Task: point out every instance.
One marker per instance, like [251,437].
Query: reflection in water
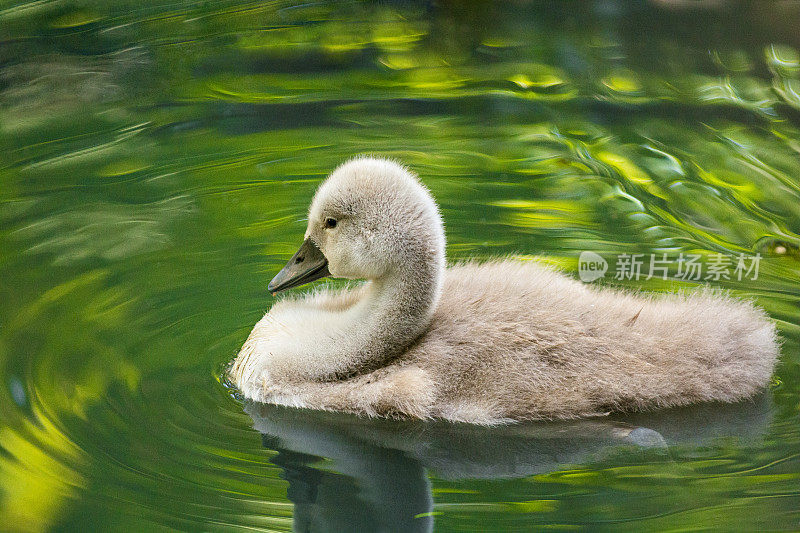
[373,489]
[349,473]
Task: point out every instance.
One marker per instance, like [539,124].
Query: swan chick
[479,342]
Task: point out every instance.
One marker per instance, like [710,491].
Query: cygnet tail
[731,345]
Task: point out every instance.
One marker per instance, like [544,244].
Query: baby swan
[484,343]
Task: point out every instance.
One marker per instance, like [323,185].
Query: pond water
[156,161]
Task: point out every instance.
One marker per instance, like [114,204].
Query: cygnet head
[370,219]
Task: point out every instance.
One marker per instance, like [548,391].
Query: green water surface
[156,161]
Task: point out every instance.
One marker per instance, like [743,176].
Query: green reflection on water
[156,163]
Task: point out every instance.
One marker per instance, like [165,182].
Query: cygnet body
[478,342]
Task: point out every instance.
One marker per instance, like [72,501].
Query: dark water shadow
[348,473]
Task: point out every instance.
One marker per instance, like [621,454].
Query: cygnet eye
[330,222]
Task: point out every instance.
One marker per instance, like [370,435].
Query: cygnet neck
[393,312]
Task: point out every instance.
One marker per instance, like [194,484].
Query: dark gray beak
[308,264]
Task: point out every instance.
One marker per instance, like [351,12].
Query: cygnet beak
[308,264]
